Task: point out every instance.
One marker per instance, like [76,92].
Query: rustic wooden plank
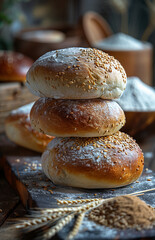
[8,148]
[5,232]
[8,199]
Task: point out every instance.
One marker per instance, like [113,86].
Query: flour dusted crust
[77,73]
[18,129]
[82,118]
[102,162]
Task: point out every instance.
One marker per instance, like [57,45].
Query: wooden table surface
[10,204]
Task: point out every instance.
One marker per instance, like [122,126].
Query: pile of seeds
[124,212]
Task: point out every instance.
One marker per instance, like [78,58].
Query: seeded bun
[103,162]
[72,118]
[18,129]
[77,73]
[14,66]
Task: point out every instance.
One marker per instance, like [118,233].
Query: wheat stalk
[76,227]
[61,223]
[77,209]
[77,201]
[143,191]
[40,220]
[54,210]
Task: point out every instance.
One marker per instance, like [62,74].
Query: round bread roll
[14,66]
[103,162]
[18,129]
[77,118]
[77,73]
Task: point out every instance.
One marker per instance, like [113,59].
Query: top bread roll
[77,73]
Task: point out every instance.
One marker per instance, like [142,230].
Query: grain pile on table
[124,212]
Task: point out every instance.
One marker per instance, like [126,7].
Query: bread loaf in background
[18,129]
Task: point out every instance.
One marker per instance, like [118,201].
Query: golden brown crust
[14,66]
[77,73]
[18,129]
[84,118]
[103,162]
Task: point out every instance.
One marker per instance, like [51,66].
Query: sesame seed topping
[103,151]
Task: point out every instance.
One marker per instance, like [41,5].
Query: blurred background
[133,17]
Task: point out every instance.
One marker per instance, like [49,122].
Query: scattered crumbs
[16,214]
[0,210]
[25,163]
[33,169]
[17,160]
[95,194]
[85,229]
[148,179]
[79,197]
[53,187]
[25,169]
[131,186]
[50,191]
[113,190]
[137,181]
[146,169]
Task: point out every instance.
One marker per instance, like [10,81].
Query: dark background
[133,17]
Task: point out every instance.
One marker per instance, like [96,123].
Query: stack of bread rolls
[77,88]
